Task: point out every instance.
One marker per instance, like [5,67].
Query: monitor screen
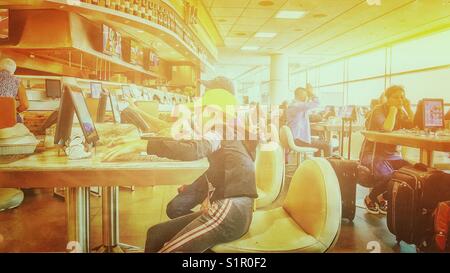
[112,42]
[96,90]
[137,54]
[53,88]
[135,92]
[4,24]
[115,108]
[153,59]
[433,113]
[126,91]
[73,101]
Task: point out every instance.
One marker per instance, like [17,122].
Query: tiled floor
[38,225]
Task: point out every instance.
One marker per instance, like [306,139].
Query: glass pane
[430,84]
[367,65]
[421,53]
[361,93]
[332,73]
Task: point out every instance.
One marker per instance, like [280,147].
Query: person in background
[298,120]
[394,114]
[10,86]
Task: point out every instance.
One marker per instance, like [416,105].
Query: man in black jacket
[231,174]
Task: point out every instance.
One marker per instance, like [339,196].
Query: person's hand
[393,109]
[126,151]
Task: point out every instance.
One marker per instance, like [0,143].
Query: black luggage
[413,194]
[346,172]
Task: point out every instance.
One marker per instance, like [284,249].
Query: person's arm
[389,122]
[154,122]
[182,150]
[23,99]
[300,106]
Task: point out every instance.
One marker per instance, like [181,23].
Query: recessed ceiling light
[265,34]
[140,31]
[290,14]
[265,3]
[250,48]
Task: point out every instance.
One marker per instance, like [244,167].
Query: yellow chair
[287,141]
[10,198]
[269,172]
[308,221]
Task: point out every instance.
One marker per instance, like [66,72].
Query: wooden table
[427,143]
[48,170]
[328,128]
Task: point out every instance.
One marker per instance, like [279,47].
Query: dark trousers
[191,196]
[382,173]
[226,220]
[316,143]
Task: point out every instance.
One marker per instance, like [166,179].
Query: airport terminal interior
[242,126]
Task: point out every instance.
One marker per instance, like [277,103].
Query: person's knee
[175,209]
[151,243]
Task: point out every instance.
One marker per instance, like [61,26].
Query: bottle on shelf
[95,2]
[136,9]
[127,6]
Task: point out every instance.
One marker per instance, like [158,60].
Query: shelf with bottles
[157,12]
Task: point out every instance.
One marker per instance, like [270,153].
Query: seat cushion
[273,231]
[10,198]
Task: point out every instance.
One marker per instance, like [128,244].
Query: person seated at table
[192,195]
[231,189]
[298,120]
[383,159]
[10,86]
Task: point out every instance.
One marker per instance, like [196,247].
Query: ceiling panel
[229,3]
[226,12]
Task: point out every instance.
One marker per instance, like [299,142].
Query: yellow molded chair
[269,172]
[10,198]
[287,141]
[308,221]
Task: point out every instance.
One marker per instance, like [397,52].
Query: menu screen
[4,24]
[112,42]
[433,113]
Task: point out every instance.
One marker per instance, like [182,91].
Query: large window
[421,65]
[422,53]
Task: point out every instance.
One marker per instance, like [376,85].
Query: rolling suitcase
[347,174]
[413,194]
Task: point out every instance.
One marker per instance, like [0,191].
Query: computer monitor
[96,90]
[53,88]
[5,25]
[114,104]
[126,91]
[433,113]
[348,112]
[72,101]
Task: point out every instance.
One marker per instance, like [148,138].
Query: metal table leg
[77,200]
[110,223]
